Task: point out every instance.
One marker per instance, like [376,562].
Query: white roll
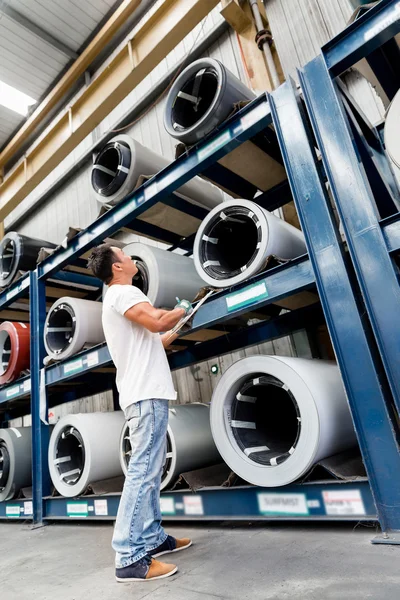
[392,130]
[83,449]
[274,417]
[235,239]
[164,275]
[190,444]
[15,461]
[71,325]
[123,160]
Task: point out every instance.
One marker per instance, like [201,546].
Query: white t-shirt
[142,367]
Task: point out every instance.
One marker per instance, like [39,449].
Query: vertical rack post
[354,201]
[40,428]
[350,340]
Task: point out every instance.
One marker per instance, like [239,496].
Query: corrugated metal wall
[301,27]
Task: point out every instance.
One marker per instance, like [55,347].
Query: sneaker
[145,569]
[171,544]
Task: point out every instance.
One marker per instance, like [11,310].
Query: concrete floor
[259,562]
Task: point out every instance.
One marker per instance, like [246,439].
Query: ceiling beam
[41,33]
[81,64]
[168,26]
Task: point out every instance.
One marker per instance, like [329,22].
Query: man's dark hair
[101,261]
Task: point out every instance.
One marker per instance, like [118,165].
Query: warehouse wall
[301,27]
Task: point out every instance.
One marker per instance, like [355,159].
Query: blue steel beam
[355,204]
[78,279]
[366,34]
[17,389]
[374,429]
[17,290]
[85,361]
[40,429]
[303,318]
[245,124]
[391,232]
[310,501]
[265,288]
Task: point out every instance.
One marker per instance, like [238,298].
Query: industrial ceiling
[39,39]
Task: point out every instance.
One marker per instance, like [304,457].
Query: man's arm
[155,320]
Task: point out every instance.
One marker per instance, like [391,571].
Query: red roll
[14,350]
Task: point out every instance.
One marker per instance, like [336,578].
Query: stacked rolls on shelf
[274,417]
[72,324]
[14,350]
[163,275]
[84,449]
[201,98]
[235,240]
[122,162]
[15,461]
[18,253]
[189,443]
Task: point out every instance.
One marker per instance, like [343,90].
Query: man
[132,328]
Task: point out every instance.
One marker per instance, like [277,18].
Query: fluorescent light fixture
[15,100]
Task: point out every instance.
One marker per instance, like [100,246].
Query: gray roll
[274,417]
[201,98]
[164,275]
[15,461]
[122,161]
[83,449]
[190,444]
[235,240]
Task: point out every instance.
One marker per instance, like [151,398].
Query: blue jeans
[138,527]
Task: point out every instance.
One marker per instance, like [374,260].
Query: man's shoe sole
[171,551]
[135,579]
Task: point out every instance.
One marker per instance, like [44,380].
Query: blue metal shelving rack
[365,344]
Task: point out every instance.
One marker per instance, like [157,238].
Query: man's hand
[185,304]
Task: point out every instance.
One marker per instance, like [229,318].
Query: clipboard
[184,320]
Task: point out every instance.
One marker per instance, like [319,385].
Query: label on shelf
[167,506]
[77,509]
[12,391]
[28,508]
[247,296]
[193,505]
[27,385]
[101,508]
[383,23]
[282,504]
[92,359]
[343,502]
[220,141]
[13,511]
[313,503]
[73,366]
